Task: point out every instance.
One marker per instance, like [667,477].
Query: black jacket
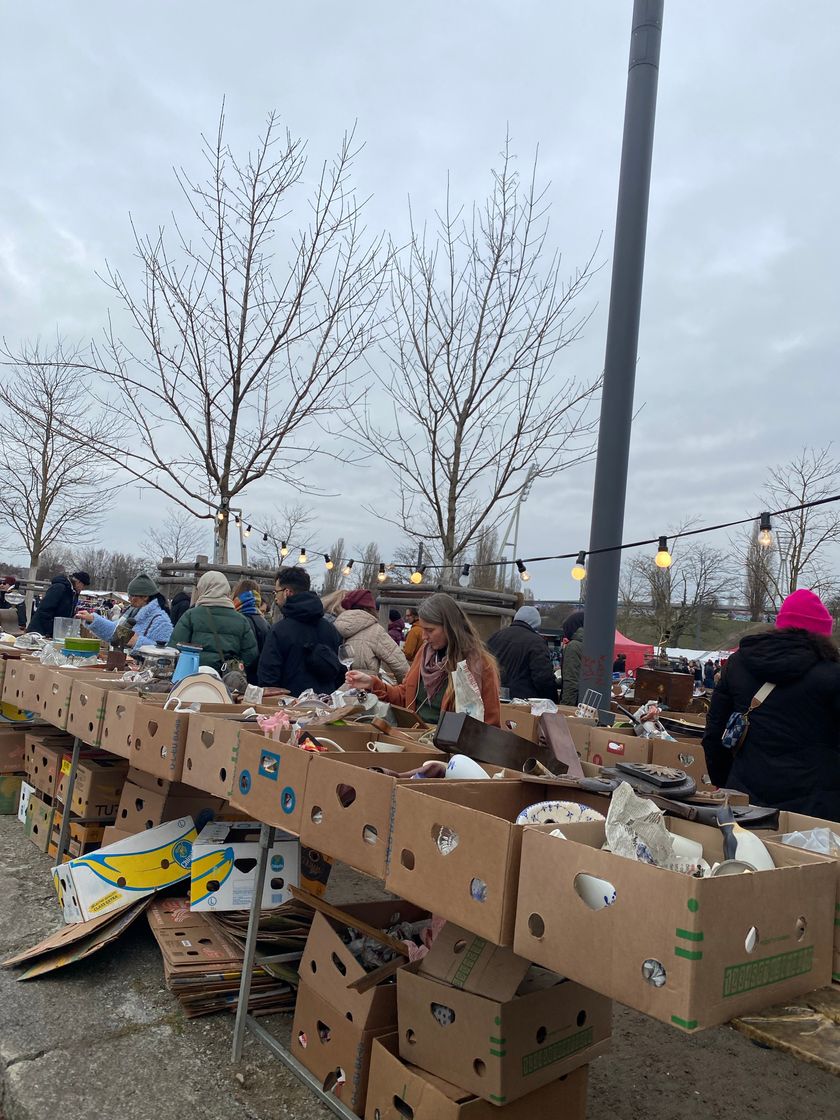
[790,758]
[180,605]
[261,630]
[287,659]
[59,601]
[524,662]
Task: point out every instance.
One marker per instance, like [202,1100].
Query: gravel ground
[105,1038]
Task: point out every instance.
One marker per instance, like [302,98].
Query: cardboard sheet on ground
[808,1029]
[74,943]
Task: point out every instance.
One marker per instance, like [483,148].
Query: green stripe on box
[689,935]
[556,1051]
[739,978]
[497,1100]
[686,1024]
[688,954]
[498,1041]
[498,1053]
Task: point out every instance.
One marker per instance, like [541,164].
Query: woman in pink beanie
[790,758]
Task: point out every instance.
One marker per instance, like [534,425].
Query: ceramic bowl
[558,812]
[461,766]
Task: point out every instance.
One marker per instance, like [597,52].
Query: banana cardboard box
[126,871]
[223,873]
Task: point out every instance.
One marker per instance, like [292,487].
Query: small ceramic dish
[558,812]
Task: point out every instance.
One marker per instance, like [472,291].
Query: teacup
[385,748]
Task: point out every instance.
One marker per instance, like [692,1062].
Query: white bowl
[461,766]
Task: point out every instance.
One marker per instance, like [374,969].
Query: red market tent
[635,652]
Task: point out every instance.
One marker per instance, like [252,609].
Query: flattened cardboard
[349,811]
[729,946]
[500,1050]
[115,877]
[474,884]
[10,787]
[332,1048]
[141,809]
[97,788]
[73,943]
[606,747]
[12,750]
[224,867]
[397,1089]
[329,967]
[270,781]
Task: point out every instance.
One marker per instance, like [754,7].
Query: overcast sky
[740,333]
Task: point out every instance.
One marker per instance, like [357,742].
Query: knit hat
[143,585]
[530,615]
[82,577]
[359,600]
[804,610]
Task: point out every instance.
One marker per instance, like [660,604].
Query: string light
[236,519]
[284,549]
[348,568]
[265,538]
[221,515]
[524,574]
[328,564]
[382,574]
[765,531]
[465,571]
[579,570]
[417,576]
[247,532]
[663,557]
[303,558]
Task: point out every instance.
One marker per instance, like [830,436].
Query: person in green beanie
[147,622]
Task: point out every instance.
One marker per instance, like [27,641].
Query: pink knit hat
[805,611]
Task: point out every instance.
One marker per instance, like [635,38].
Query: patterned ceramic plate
[558,812]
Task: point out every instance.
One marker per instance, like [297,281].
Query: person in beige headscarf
[215,624]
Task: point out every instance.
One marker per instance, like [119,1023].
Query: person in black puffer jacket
[790,758]
[301,650]
[524,661]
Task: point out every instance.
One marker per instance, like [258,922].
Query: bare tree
[289,525]
[802,538]
[179,535]
[367,570]
[484,572]
[480,313]
[758,565]
[52,490]
[237,358]
[333,576]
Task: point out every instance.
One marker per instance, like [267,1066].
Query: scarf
[213,590]
[433,670]
[246,603]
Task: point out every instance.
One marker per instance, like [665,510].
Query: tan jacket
[374,651]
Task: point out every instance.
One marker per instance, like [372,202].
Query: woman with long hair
[450,637]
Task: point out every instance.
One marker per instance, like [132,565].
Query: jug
[187,662]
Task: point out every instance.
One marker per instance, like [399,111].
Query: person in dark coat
[59,601]
[301,650]
[572,656]
[524,661]
[790,758]
[396,626]
[709,675]
[180,605]
[247,599]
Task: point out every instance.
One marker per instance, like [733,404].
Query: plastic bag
[467,693]
[821,840]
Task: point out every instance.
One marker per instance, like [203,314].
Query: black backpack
[322,662]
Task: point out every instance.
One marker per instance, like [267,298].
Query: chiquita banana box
[118,875]
[223,873]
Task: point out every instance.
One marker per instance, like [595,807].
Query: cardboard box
[224,867]
[518,718]
[44,760]
[329,967]
[158,738]
[124,872]
[17,671]
[397,1090]
[10,787]
[26,791]
[141,809]
[212,747]
[486,1020]
[82,837]
[270,781]
[455,848]
[606,747]
[690,952]
[111,834]
[86,715]
[55,690]
[38,823]
[12,750]
[334,1050]
[118,721]
[349,806]
[97,789]
[688,756]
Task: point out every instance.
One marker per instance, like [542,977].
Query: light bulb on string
[663,557]
[348,568]
[465,571]
[524,574]
[328,562]
[221,515]
[284,549]
[417,576]
[765,531]
[247,532]
[579,569]
[382,576]
[303,558]
[265,538]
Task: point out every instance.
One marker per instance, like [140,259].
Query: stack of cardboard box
[12,767]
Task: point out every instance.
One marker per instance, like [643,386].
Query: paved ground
[105,1038]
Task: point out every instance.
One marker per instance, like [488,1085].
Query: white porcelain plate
[202,689]
[558,812]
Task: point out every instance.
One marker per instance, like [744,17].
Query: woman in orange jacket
[427,690]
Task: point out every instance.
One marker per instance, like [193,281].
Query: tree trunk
[30,594]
